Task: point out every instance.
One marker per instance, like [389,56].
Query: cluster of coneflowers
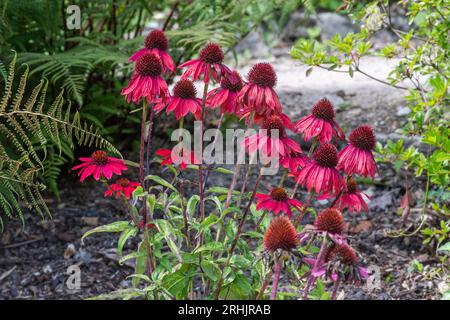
[325,172]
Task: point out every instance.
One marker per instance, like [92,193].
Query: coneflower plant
[196,240]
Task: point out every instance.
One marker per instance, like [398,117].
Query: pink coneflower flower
[258,96]
[280,234]
[183,101]
[170,158]
[123,186]
[226,95]
[146,81]
[352,198]
[210,61]
[100,165]
[277,201]
[321,175]
[157,43]
[294,161]
[320,123]
[357,157]
[265,141]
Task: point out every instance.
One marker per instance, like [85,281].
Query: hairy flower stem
[260,220]
[150,266]
[149,141]
[238,234]
[294,191]
[264,285]
[336,199]
[142,143]
[283,178]
[276,277]
[311,277]
[185,217]
[200,166]
[216,136]
[335,288]
[237,171]
[247,175]
[300,216]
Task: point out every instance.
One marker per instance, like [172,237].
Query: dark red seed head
[149,64]
[352,186]
[156,39]
[329,253]
[346,254]
[185,89]
[323,109]
[363,138]
[123,182]
[273,122]
[279,194]
[330,220]
[233,86]
[326,155]
[211,53]
[281,234]
[263,75]
[99,157]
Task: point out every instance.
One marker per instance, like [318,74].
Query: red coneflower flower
[258,96]
[100,165]
[352,198]
[183,101]
[264,140]
[123,186]
[320,123]
[294,161]
[321,174]
[210,61]
[146,81]
[226,95]
[357,157]
[330,220]
[170,158]
[277,201]
[157,43]
[281,234]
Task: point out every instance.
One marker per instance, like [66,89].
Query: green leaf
[445,247]
[168,232]
[192,205]
[211,270]
[117,226]
[141,263]
[161,181]
[124,236]
[211,246]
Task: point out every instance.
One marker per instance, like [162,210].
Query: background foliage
[423,71]
[91,64]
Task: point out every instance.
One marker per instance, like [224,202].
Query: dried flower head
[281,234]
[330,220]
[346,254]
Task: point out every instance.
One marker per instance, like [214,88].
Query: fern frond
[28,127]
